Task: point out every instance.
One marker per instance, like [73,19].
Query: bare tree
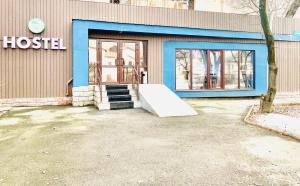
[293,8]
[267,102]
[268,10]
[274,8]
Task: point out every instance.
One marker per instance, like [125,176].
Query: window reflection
[143,63]
[215,69]
[109,53]
[127,74]
[199,76]
[109,74]
[183,69]
[246,70]
[231,69]
[128,53]
[226,69]
[92,61]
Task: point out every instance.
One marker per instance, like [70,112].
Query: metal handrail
[99,81]
[136,77]
[67,87]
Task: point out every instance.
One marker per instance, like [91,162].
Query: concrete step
[137,104]
[116,97]
[103,106]
[105,99]
[106,106]
[97,89]
[121,105]
[113,87]
[113,98]
[117,92]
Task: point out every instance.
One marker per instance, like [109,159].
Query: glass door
[109,61]
[129,60]
[121,60]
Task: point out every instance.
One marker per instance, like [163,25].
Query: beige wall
[44,73]
[288,61]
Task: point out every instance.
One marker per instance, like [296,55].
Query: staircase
[115,97]
[119,97]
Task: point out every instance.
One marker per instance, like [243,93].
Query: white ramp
[160,100]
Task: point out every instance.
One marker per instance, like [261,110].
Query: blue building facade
[212,86]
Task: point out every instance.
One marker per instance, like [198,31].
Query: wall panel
[288,61]
[44,73]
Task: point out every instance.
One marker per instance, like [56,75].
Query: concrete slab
[281,123]
[160,100]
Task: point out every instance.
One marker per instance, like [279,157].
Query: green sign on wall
[36,26]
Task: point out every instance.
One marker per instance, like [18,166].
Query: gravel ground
[82,146]
[289,110]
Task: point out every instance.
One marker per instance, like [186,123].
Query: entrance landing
[160,100]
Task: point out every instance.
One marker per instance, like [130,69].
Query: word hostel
[35,43]
[103,53]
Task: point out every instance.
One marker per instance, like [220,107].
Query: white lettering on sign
[23,42]
[11,42]
[46,41]
[35,43]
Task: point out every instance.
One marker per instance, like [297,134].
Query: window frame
[223,86]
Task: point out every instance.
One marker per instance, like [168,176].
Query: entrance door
[109,61]
[118,59]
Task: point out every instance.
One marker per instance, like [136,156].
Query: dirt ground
[82,146]
[289,110]
[292,110]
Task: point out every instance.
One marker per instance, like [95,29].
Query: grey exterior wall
[44,73]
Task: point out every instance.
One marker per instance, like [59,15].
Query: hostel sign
[35,43]
[36,26]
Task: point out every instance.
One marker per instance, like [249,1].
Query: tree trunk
[293,9]
[269,98]
[191,4]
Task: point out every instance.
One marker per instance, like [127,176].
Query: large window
[198,69]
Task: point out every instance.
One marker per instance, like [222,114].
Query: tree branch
[293,9]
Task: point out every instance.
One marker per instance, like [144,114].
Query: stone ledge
[83,94]
[82,103]
[36,101]
[84,88]
[83,98]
